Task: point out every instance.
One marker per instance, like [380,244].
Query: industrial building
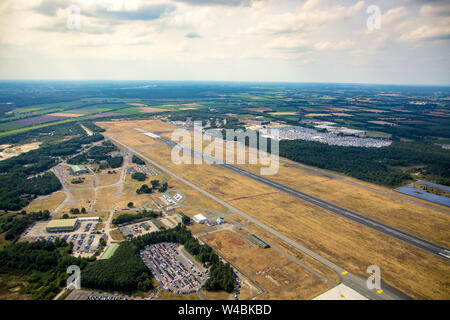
[78,170]
[199,218]
[62,225]
[157,224]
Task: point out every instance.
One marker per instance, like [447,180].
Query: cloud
[306,20]
[393,15]
[135,10]
[192,35]
[50,8]
[231,3]
[434,10]
[427,32]
[148,12]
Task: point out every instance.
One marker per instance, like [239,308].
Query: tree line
[221,275]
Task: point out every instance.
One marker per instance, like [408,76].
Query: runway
[379,226]
[396,233]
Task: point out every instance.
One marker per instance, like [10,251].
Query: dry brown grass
[84,196]
[423,222]
[106,179]
[216,295]
[282,278]
[107,199]
[116,235]
[50,202]
[163,294]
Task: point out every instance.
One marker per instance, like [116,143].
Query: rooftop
[61,223]
[79,168]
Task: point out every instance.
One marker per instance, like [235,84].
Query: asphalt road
[396,233]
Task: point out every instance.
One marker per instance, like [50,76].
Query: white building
[89,219]
[199,218]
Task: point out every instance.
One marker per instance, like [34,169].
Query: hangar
[78,170]
[199,218]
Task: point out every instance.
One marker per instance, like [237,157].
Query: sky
[227,40]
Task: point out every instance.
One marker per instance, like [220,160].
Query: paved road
[433,248]
[396,233]
[356,282]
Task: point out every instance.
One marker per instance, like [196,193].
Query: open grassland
[13,288]
[303,258]
[108,199]
[423,222]
[110,251]
[116,235]
[50,202]
[166,295]
[282,278]
[346,243]
[84,198]
[106,179]
[217,295]
[393,210]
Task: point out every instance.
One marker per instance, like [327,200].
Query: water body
[410,190]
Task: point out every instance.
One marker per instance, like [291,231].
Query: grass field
[282,278]
[166,295]
[50,202]
[110,251]
[13,288]
[346,243]
[105,178]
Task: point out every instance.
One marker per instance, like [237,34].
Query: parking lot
[84,242]
[138,229]
[149,171]
[174,268]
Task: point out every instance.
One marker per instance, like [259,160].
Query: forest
[22,176]
[124,271]
[390,166]
[43,265]
[15,225]
[125,218]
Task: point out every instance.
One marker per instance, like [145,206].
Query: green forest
[124,271]
[23,176]
[390,166]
